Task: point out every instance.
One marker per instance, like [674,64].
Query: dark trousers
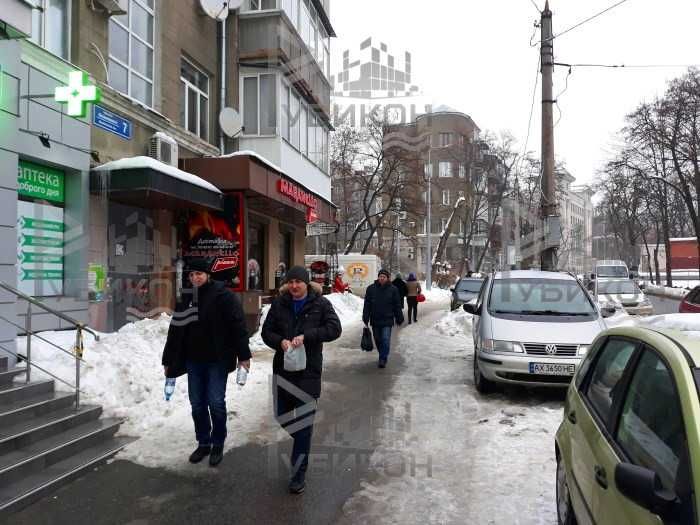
[295,412]
[382,338]
[412,308]
[206,383]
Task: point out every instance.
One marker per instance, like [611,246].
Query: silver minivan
[532,328]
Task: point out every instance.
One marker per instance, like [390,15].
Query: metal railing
[76,352]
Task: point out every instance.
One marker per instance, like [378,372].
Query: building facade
[576,213]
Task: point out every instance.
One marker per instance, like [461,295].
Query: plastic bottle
[241,376]
[169,387]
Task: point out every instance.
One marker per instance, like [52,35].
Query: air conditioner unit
[403,215]
[163,148]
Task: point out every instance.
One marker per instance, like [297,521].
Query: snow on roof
[533,274]
[680,239]
[153,164]
[248,153]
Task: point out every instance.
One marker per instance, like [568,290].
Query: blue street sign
[108,121]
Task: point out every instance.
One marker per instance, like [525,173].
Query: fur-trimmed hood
[313,286]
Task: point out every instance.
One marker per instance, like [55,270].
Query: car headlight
[582,350]
[491,345]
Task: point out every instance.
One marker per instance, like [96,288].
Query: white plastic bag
[295,359]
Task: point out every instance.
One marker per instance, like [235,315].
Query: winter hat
[297,272]
[399,276]
[385,272]
[341,270]
[199,264]
[411,276]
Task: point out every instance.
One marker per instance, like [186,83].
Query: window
[257,5]
[445,139]
[304,138]
[537,297]
[260,105]
[607,373]
[294,120]
[194,101]
[443,225]
[285,112]
[462,170]
[428,170]
[651,428]
[445,169]
[446,197]
[131,51]
[50,26]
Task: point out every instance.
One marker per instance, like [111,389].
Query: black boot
[217,454]
[200,453]
[298,483]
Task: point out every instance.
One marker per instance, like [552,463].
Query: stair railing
[76,352]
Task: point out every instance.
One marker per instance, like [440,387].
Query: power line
[629,66]
[534,4]
[532,106]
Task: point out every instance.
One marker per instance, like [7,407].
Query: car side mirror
[643,486]
[452,289]
[608,311]
[593,277]
[470,307]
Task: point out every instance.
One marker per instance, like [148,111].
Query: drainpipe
[222,103]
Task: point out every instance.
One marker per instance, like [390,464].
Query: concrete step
[8,376]
[31,459]
[34,406]
[18,391]
[31,488]
[25,433]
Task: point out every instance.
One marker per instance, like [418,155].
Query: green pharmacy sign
[40,182]
[78,93]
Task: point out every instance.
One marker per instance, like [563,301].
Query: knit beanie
[298,273]
[199,264]
[385,272]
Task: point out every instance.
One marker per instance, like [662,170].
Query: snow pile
[435,294]
[689,324]
[454,323]
[256,342]
[677,293]
[348,307]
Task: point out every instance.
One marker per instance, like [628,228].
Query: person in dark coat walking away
[382,308]
[401,287]
[412,291]
[207,340]
[299,317]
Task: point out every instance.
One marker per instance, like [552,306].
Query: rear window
[617,287]
[611,271]
[469,286]
[539,297]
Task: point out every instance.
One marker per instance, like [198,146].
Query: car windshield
[611,271]
[617,287]
[539,297]
[469,286]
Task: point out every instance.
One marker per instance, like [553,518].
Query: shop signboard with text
[40,182]
[40,238]
[218,237]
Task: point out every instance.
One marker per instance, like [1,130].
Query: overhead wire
[534,4]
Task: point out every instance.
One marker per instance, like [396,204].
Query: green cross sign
[78,93]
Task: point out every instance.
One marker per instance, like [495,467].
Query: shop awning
[148,183]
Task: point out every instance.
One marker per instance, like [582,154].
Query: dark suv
[466,289]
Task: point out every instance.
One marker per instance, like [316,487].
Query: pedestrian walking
[413,289]
[207,340]
[401,287]
[299,318]
[381,309]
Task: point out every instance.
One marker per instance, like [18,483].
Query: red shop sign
[294,192]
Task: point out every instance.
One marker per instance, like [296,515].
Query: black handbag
[367,344]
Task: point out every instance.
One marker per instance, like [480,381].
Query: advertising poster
[218,237]
[40,229]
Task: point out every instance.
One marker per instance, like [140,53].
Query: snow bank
[436,294]
[678,293]
[454,323]
[123,373]
[687,323]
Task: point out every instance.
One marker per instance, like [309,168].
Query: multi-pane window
[260,104]
[462,170]
[131,51]
[194,100]
[428,170]
[445,139]
[303,129]
[445,169]
[256,5]
[50,26]
[446,197]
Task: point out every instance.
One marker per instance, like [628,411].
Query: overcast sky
[475,56]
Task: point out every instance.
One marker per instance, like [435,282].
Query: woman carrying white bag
[300,320]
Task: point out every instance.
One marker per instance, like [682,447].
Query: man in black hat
[382,307]
[300,317]
[207,340]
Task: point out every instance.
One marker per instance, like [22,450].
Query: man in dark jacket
[382,308]
[401,287]
[300,317]
[207,338]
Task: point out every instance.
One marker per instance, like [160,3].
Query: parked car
[628,449]
[691,302]
[624,294]
[532,328]
[466,289]
[608,269]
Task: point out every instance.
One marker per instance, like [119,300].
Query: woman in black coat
[299,317]
[401,287]
[207,339]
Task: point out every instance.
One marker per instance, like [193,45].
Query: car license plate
[552,369]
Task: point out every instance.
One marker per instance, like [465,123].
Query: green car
[628,450]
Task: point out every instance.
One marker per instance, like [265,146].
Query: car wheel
[565,513]
[483,385]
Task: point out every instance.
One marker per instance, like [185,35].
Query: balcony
[268,38]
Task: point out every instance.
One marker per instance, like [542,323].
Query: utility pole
[551,228]
[429,239]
